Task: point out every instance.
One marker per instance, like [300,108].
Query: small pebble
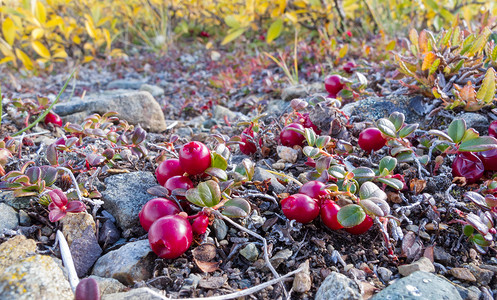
[462,274]
[302,282]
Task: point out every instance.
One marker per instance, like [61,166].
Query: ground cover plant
[292,141]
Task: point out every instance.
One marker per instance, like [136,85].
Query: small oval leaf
[351,215]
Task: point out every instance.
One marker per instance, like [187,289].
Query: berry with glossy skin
[469,166]
[200,224]
[194,158]
[53,118]
[349,67]
[170,236]
[291,138]
[333,84]
[489,159]
[361,228]
[300,207]
[178,182]
[492,129]
[371,139]
[313,189]
[249,147]
[168,169]
[157,208]
[329,211]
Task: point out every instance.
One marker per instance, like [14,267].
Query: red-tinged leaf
[158,191]
[423,41]
[413,37]
[75,206]
[428,60]
[58,197]
[56,214]
[477,223]
[52,155]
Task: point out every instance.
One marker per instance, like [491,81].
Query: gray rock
[250,252]
[374,108]
[280,257]
[74,226]
[471,293]
[277,107]
[24,218]
[108,234]
[15,202]
[482,276]
[440,255]
[136,107]
[156,91]
[287,154]
[338,286]
[35,277]
[419,285]
[14,250]
[140,293]
[385,274]
[462,274]
[220,229]
[476,121]
[220,112]
[108,285]
[131,263]
[85,251]
[261,174]
[423,264]
[9,219]
[294,91]
[125,84]
[124,197]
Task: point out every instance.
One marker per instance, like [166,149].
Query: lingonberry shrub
[371,139]
[289,137]
[194,158]
[167,169]
[300,207]
[333,85]
[469,166]
[60,205]
[170,236]
[155,209]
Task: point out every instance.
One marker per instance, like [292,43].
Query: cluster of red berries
[472,165]
[312,201]
[170,233]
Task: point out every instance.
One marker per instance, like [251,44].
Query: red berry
[249,147]
[333,85]
[53,118]
[307,123]
[291,138]
[492,129]
[371,139]
[300,207]
[168,169]
[178,182]
[489,159]
[170,236]
[204,34]
[361,228]
[349,67]
[329,211]
[469,166]
[200,224]
[155,209]
[194,158]
[313,189]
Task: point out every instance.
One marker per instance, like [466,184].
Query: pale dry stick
[264,241]
[420,167]
[67,259]
[234,295]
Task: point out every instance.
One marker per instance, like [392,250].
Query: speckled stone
[462,274]
[14,250]
[108,285]
[37,277]
[74,225]
[422,264]
[338,287]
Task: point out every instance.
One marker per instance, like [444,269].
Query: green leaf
[371,208]
[397,118]
[456,130]
[470,134]
[486,92]
[386,127]
[205,194]
[216,172]
[274,30]
[351,215]
[310,136]
[337,172]
[310,151]
[479,240]
[388,163]
[369,190]
[440,134]
[468,230]
[363,173]
[407,130]
[392,182]
[479,144]
[434,66]
[236,208]
[218,161]
[322,141]
[232,21]
[233,35]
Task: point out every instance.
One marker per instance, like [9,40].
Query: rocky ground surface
[175,95]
